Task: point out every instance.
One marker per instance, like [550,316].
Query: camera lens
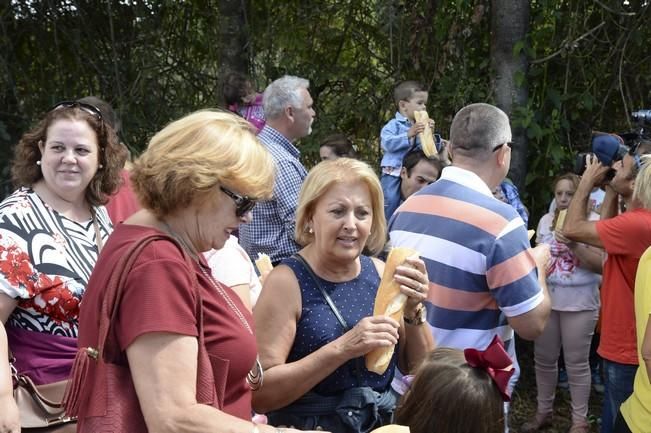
[580,163]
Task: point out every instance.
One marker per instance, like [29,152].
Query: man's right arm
[532,323]
[577,226]
[610,205]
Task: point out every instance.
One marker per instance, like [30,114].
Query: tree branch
[567,45]
[612,11]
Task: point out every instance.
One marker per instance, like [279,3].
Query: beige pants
[573,330]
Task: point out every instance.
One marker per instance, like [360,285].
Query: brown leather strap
[114,289]
[39,398]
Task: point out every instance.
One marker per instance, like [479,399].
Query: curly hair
[112,155]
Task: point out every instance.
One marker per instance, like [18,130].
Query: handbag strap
[359,366]
[325,295]
[109,309]
[114,289]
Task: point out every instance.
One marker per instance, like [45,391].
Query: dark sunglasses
[86,108]
[243,204]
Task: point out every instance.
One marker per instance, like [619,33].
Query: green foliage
[158,59]
[586,75]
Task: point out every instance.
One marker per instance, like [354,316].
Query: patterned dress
[45,262]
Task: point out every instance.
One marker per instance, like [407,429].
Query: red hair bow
[496,362]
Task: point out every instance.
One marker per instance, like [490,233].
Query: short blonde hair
[642,190]
[190,156]
[321,178]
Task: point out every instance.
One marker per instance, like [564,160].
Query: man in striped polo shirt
[485,279]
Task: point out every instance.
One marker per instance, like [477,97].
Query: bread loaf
[263,263]
[389,301]
[392,428]
[426,137]
[560,220]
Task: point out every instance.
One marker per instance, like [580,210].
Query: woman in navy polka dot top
[315,377]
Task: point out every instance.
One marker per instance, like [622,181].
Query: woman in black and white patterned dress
[51,230]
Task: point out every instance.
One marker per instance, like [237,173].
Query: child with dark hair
[458,392]
[241,98]
[398,136]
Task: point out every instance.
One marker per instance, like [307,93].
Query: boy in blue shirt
[399,136]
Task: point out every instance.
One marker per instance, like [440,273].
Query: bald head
[477,129]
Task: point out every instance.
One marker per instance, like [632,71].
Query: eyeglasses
[86,108]
[499,146]
[243,204]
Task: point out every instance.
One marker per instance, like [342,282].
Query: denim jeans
[620,425]
[391,190]
[356,410]
[618,387]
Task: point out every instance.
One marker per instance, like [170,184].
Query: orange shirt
[625,238]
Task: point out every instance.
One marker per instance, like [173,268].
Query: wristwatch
[419,318]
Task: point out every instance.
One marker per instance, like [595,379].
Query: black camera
[608,148]
[642,117]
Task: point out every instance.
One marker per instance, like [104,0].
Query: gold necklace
[255,376]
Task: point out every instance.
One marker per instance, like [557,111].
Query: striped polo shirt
[478,258]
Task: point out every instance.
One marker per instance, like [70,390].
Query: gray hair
[478,129]
[283,92]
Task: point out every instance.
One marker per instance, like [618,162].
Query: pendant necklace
[255,376]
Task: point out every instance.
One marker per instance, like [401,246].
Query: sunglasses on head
[86,108]
[243,204]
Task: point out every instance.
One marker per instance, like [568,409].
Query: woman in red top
[183,340]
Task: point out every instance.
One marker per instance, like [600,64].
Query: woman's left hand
[414,282]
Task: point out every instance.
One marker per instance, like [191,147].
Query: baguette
[389,301]
[530,234]
[560,220]
[426,137]
[392,428]
[263,263]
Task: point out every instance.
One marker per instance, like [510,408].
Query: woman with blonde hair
[315,314]
[178,354]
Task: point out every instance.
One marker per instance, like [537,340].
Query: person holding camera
[624,237]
